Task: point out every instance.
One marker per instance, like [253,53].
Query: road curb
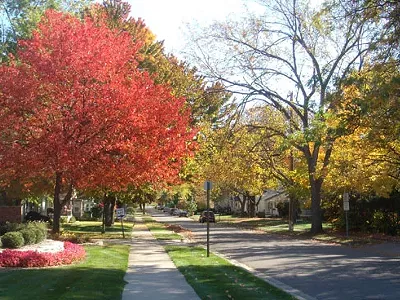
[276,283]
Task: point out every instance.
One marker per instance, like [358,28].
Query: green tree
[20,17]
[291,58]
[385,13]
[205,100]
[233,158]
[370,105]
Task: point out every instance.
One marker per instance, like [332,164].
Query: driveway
[320,270]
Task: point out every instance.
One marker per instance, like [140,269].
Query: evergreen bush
[8,227]
[12,240]
[40,234]
[29,235]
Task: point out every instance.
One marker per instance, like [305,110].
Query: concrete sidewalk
[151,274]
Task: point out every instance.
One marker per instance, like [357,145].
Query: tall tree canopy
[79,110]
[203,100]
[20,17]
[291,58]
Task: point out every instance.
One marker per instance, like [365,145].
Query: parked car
[171,212]
[166,209]
[207,215]
[183,213]
[35,216]
[176,212]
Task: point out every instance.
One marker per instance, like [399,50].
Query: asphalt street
[320,270]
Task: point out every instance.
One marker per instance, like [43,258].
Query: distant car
[166,209]
[172,211]
[207,215]
[183,213]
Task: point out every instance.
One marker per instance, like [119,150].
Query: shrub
[261,214]
[8,227]
[97,211]
[40,230]
[40,234]
[67,236]
[12,240]
[72,219]
[384,222]
[130,210]
[29,236]
[283,209]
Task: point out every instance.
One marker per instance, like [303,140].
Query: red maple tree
[76,108]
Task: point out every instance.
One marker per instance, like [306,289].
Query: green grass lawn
[160,231]
[274,225]
[213,277]
[92,229]
[216,278]
[301,230]
[100,276]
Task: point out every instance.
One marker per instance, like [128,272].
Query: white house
[267,204]
[269,201]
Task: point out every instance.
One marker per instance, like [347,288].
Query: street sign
[345,197]
[120,212]
[346,206]
[208,185]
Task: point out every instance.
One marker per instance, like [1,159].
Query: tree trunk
[144,208]
[316,218]
[109,207]
[57,204]
[243,205]
[252,206]
[258,201]
[315,186]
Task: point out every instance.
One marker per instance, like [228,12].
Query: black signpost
[121,214]
[207,187]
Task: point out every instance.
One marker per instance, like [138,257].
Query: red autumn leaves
[74,102]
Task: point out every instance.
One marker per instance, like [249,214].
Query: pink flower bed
[25,259]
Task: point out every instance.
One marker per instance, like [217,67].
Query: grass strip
[92,230]
[100,276]
[160,231]
[216,278]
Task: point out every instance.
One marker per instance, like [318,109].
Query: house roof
[271,194]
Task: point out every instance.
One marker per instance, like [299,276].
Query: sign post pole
[207,186]
[122,225]
[346,208]
[120,215]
